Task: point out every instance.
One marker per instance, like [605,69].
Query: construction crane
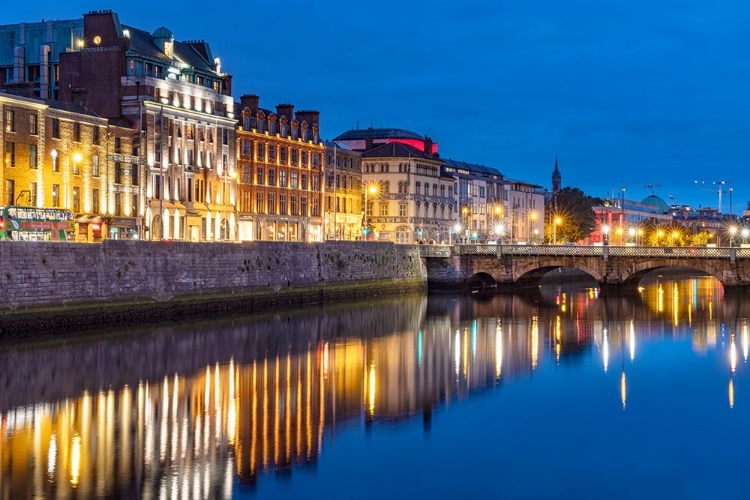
[721,190]
[652,186]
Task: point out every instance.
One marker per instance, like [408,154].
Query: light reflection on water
[438,396]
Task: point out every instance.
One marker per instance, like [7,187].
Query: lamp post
[640,236]
[499,230]
[605,234]
[533,216]
[556,222]
[631,233]
[371,189]
[745,233]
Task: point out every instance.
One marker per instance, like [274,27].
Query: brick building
[281,173]
[343,193]
[55,156]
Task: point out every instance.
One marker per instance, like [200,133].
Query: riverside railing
[604,251]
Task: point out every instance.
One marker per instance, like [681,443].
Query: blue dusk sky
[626,93]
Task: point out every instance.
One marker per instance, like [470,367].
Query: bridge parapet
[605,252]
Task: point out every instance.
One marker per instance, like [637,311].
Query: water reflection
[188,412]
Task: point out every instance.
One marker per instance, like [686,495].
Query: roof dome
[660,204]
[163,32]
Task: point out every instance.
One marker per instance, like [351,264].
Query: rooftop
[378,133]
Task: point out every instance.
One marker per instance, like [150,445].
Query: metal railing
[605,252]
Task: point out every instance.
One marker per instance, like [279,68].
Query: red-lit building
[364,139]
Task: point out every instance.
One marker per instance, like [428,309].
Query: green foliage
[574,208]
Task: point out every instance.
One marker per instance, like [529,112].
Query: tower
[556,178]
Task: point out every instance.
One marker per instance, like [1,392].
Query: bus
[36,224]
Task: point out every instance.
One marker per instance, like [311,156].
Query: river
[563,394]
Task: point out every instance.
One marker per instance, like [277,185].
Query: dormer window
[261,124]
[246,121]
[272,127]
[169,49]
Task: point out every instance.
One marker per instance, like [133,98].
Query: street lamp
[745,233]
[373,190]
[659,235]
[456,229]
[605,234]
[557,222]
[631,233]
[640,236]
[732,233]
[675,235]
[533,216]
[499,230]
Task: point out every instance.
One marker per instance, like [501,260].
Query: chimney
[427,145]
[368,143]
[285,110]
[78,96]
[250,101]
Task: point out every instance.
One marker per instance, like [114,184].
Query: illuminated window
[10,154]
[95,201]
[32,156]
[10,120]
[55,195]
[33,125]
[76,199]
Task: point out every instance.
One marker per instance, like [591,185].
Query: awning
[89,219]
[126,222]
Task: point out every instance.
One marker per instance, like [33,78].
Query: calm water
[567,395]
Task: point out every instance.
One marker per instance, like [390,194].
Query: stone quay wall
[75,285]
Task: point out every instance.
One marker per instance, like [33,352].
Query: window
[10,192]
[77,132]
[295,156]
[259,203]
[293,205]
[95,201]
[10,154]
[225,136]
[271,153]
[190,131]
[95,166]
[304,158]
[55,163]
[33,125]
[76,199]
[282,154]
[259,177]
[304,181]
[315,207]
[384,209]
[32,156]
[118,173]
[76,167]
[55,195]
[272,127]
[246,147]
[118,204]
[282,204]
[282,178]
[271,177]
[303,206]
[118,145]
[10,120]
[293,183]
[402,209]
[271,204]
[95,135]
[261,152]
[134,175]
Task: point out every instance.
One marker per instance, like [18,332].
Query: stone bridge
[616,268]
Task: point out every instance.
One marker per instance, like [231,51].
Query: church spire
[556,178]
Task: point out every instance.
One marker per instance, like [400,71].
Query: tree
[574,210]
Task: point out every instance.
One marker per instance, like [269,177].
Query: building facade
[55,155]
[280,173]
[343,193]
[178,102]
[408,196]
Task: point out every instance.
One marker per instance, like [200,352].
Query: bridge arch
[481,282]
[533,277]
[639,271]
